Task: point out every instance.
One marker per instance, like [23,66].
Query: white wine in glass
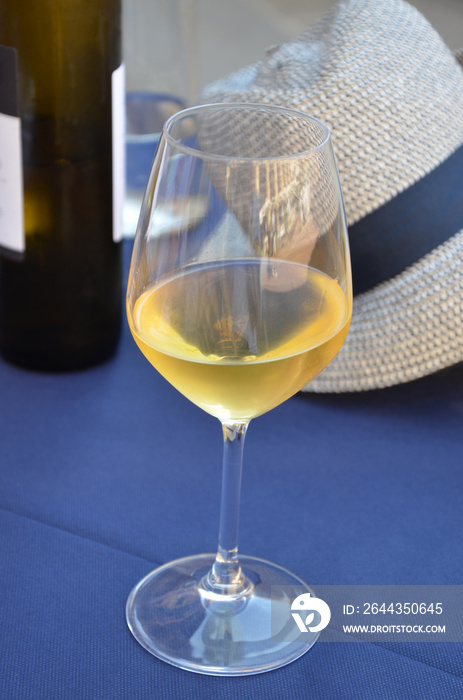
[239,303]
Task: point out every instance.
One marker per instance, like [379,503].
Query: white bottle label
[11,168]
[11,185]
[118,127]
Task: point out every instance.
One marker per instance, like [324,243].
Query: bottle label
[11,174]
[118,127]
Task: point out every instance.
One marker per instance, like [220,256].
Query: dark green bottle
[61,133]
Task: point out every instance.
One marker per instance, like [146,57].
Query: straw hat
[380,77]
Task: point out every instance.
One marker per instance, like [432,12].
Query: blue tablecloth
[107,473]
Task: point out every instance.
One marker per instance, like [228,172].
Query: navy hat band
[409,226]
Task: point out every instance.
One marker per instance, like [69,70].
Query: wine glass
[239,294]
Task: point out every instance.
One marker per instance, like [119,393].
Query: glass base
[176,616]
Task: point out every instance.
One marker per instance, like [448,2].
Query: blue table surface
[107,473]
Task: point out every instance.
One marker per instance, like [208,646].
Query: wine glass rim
[209,155]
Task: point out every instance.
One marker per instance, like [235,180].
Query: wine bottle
[61,181]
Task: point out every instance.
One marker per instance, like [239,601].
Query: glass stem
[226,576]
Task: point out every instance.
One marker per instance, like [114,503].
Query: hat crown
[385,83]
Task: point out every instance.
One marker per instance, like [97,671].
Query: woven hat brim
[403,329]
